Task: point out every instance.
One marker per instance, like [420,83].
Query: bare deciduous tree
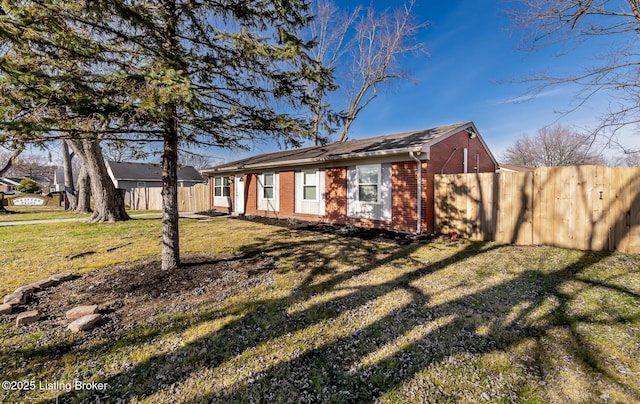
[552,146]
[578,22]
[380,40]
[331,30]
[362,48]
[8,158]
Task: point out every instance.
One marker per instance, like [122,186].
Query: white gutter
[412,154]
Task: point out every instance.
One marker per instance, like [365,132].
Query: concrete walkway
[183,215]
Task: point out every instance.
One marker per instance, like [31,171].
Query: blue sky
[474,72]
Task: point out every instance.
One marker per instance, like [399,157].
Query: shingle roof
[386,144]
[149,172]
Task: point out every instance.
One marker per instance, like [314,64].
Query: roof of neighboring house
[123,171]
[376,146]
[58,177]
[10,181]
[516,168]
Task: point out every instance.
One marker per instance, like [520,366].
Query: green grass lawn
[340,320]
[23,213]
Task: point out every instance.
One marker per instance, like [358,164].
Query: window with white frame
[268,195]
[368,183]
[310,185]
[268,186]
[369,191]
[221,187]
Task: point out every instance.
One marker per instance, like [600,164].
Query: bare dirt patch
[132,292]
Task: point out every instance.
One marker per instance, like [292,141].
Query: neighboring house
[513,168]
[9,184]
[382,182]
[142,175]
[58,179]
[139,180]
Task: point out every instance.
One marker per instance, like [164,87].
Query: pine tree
[206,72]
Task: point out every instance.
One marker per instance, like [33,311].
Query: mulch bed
[345,231]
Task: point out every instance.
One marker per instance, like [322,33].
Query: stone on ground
[81,311]
[28,317]
[43,283]
[27,290]
[85,323]
[5,308]
[15,298]
[61,277]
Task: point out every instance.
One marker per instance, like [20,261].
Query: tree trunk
[108,203]
[170,234]
[70,195]
[84,191]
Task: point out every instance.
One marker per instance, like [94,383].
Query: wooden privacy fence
[190,199]
[581,207]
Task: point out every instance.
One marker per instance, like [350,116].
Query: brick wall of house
[336,195]
[451,149]
[404,196]
[403,192]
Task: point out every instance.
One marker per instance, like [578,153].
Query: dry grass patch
[341,319]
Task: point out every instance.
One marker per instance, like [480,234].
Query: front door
[238,196]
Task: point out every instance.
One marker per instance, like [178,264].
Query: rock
[15,298]
[28,317]
[85,323]
[61,277]
[43,283]
[5,308]
[81,311]
[27,290]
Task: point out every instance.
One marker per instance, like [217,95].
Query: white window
[310,185]
[268,194]
[369,191]
[268,184]
[309,192]
[368,183]
[221,187]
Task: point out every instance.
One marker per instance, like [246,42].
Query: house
[8,185]
[140,180]
[143,175]
[58,179]
[514,168]
[382,182]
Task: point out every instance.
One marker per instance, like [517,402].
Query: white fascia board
[310,161]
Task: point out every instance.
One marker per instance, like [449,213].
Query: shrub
[28,185]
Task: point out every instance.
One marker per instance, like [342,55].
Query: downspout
[419,192]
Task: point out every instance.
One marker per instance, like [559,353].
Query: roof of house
[370,147]
[516,168]
[10,180]
[124,171]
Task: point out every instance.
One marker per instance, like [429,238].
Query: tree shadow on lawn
[367,340]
